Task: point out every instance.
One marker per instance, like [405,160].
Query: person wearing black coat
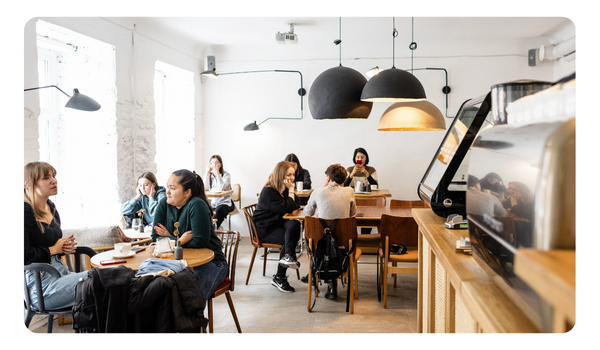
[277,199]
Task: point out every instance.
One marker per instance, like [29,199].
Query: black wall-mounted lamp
[77,101]
[254,126]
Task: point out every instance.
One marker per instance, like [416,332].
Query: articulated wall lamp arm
[254,126]
[77,101]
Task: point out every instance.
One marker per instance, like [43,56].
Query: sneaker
[304,279]
[331,290]
[290,262]
[282,284]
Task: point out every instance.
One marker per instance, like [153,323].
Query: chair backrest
[237,194]
[400,229]
[229,242]
[248,212]
[344,231]
[408,204]
[375,201]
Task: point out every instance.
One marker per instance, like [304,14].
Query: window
[174,106]
[80,145]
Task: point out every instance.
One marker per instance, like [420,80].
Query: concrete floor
[261,308]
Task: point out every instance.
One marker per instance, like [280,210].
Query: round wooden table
[192,256]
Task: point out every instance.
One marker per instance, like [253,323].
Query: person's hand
[152,192]
[162,231]
[57,248]
[209,168]
[138,193]
[69,246]
[186,237]
[289,183]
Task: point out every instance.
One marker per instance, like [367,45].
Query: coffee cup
[373,187]
[172,243]
[122,248]
[299,186]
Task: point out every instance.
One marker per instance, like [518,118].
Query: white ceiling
[262,30]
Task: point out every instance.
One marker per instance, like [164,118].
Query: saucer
[128,255]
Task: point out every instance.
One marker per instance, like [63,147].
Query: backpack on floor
[328,261]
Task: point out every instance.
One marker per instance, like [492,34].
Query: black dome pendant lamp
[393,85]
[335,93]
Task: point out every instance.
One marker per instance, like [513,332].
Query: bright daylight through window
[174,105]
[82,146]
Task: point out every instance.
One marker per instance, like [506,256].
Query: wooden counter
[552,275]
[456,295]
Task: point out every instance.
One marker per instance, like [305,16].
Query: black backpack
[328,262]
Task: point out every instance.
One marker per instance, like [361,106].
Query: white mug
[373,187]
[122,248]
[299,186]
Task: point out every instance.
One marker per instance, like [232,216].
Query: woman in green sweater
[186,204]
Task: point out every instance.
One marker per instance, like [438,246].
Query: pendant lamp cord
[394,35]
[412,46]
[339,41]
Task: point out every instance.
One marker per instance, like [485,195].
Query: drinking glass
[135,224]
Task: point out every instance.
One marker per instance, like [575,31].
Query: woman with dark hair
[520,200]
[186,204]
[148,194]
[44,242]
[300,174]
[493,183]
[277,199]
[217,179]
[360,171]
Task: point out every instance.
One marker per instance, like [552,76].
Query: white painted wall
[225,105]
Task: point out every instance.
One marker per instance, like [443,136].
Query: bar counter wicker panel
[456,294]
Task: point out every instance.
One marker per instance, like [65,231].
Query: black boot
[331,290]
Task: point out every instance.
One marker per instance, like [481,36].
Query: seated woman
[300,174]
[186,204]
[360,171]
[44,242]
[218,179]
[493,183]
[277,199]
[147,196]
[331,202]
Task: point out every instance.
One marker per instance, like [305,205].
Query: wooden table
[217,194]
[365,216]
[135,234]
[373,193]
[193,257]
[303,193]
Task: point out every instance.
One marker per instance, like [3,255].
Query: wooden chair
[344,233]
[236,197]
[408,204]
[374,201]
[369,243]
[401,230]
[229,242]
[257,243]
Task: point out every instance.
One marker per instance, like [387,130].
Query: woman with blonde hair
[44,242]
[277,199]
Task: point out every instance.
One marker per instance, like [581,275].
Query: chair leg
[28,318]
[251,264]
[298,273]
[235,319]
[355,280]
[210,315]
[395,275]
[266,252]
[50,322]
[385,287]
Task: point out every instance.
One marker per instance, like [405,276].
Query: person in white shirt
[334,201]
[217,179]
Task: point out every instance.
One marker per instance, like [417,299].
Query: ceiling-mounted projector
[287,38]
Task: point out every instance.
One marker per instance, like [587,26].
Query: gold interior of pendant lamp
[412,116]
